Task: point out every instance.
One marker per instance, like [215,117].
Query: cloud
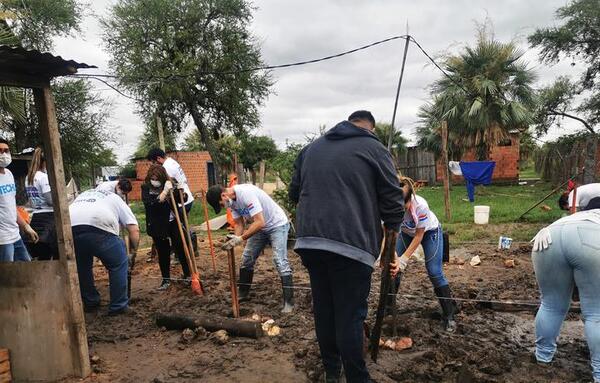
[325,93]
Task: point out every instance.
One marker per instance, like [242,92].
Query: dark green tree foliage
[382,131]
[149,139]
[283,165]
[488,94]
[82,123]
[255,149]
[166,52]
[577,38]
[558,160]
[227,146]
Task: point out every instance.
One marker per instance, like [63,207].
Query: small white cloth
[454,167]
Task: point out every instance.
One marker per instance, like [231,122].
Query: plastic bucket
[482,215]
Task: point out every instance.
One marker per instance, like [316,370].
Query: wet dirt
[488,346]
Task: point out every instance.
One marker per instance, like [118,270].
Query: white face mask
[228,203]
[155,183]
[5,160]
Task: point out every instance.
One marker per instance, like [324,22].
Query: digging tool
[235,303]
[131,258]
[387,256]
[210,242]
[198,289]
[196,283]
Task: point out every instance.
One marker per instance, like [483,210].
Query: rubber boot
[449,308]
[244,284]
[287,284]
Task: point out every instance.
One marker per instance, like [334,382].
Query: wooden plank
[51,137]
[444,133]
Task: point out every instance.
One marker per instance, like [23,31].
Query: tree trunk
[253,176]
[206,138]
[589,175]
[482,151]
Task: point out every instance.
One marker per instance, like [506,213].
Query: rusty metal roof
[21,61]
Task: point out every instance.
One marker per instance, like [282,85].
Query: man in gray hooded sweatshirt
[345,185]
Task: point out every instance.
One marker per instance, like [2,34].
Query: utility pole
[392,129]
[444,133]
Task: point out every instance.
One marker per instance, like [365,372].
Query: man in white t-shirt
[584,194]
[96,217]
[12,247]
[269,223]
[175,172]
[120,187]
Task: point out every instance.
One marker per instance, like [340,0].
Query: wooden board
[5,375]
[37,324]
[215,223]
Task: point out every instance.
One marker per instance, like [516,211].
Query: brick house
[505,154]
[197,166]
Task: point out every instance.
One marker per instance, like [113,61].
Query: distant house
[505,154]
[197,166]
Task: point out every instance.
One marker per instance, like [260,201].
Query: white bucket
[482,215]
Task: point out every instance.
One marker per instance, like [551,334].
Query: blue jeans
[14,252]
[340,289]
[278,238]
[573,258]
[91,242]
[433,247]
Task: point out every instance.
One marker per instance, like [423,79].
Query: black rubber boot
[449,308]
[287,284]
[244,284]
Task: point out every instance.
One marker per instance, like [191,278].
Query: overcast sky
[325,93]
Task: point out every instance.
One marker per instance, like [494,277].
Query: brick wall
[506,158]
[193,165]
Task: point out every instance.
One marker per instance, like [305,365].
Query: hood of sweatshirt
[346,129]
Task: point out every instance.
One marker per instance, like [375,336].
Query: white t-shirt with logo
[9,230]
[109,186]
[175,171]
[36,191]
[101,209]
[251,200]
[418,216]
[584,194]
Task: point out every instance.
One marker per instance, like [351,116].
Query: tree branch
[563,114]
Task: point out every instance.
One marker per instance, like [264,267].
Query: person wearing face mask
[120,187]
[37,187]
[12,247]
[269,225]
[155,195]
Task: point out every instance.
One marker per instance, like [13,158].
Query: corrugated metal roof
[19,60]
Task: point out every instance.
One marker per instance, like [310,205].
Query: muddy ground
[489,346]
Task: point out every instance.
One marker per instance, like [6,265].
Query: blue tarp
[477,173]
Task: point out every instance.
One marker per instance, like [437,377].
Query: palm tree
[12,100]
[382,131]
[486,94]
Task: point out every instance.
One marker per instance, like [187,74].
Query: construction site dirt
[492,343]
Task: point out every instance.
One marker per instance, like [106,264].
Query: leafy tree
[255,149]
[186,58]
[486,94]
[283,165]
[227,146]
[577,38]
[150,140]
[382,131]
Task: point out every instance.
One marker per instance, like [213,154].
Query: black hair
[3,141]
[563,201]
[125,185]
[593,204]
[154,153]
[362,115]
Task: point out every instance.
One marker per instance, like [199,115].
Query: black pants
[163,248]
[176,240]
[47,247]
[340,290]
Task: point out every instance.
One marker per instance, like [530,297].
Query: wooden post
[444,133]
[261,174]
[210,242]
[235,303]
[161,135]
[45,108]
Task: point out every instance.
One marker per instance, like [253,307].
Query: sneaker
[164,286]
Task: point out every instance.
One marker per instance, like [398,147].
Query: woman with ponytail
[420,226]
[38,190]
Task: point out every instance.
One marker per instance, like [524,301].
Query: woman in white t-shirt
[420,227]
[38,191]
